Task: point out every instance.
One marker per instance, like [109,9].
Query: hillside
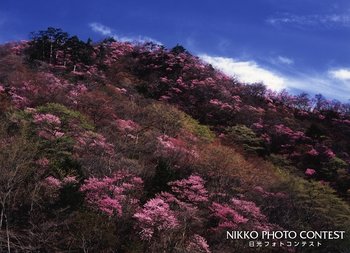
[125,147]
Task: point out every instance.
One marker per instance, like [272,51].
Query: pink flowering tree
[52,186]
[227,217]
[93,151]
[113,195]
[129,128]
[310,172]
[127,125]
[187,198]
[170,216]
[239,213]
[197,244]
[155,219]
[49,125]
[176,149]
[190,190]
[93,142]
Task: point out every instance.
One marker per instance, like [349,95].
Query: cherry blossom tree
[113,195]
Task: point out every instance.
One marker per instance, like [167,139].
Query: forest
[116,146]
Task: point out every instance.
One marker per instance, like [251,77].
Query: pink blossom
[303,113]
[258,125]
[248,208]
[172,145]
[266,138]
[312,152]
[53,182]
[164,79]
[2,89]
[164,98]
[284,130]
[19,101]
[309,172]
[198,244]
[45,134]
[93,142]
[224,105]
[227,217]
[47,118]
[58,134]
[44,162]
[127,125]
[191,190]
[265,193]
[329,153]
[30,110]
[111,194]
[346,121]
[121,90]
[155,217]
[110,205]
[70,180]
[76,92]
[237,99]
[176,90]
[115,51]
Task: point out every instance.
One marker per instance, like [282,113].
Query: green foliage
[59,150]
[193,126]
[18,122]
[337,164]
[329,170]
[282,162]
[336,170]
[311,205]
[63,164]
[66,115]
[246,137]
[164,117]
[169,120]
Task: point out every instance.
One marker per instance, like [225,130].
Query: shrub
[242,135]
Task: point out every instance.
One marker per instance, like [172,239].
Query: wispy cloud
[281,61]
[333,84]
[285,60]
[107,31]
[246,71]
[324,20]
[102,29]
[342,74]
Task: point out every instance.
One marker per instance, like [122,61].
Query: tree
[178,49]
[56,47]
[79,51]
[45,45]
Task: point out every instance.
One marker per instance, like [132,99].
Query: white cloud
[325,20]
[342,74]
[99,28]
[334,84]
[246,71]
[285,60]
[107,31]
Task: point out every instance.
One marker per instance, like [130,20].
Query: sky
[298,45]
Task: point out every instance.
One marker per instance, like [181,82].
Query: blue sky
[300,45]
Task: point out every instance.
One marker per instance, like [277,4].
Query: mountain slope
[120,147]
